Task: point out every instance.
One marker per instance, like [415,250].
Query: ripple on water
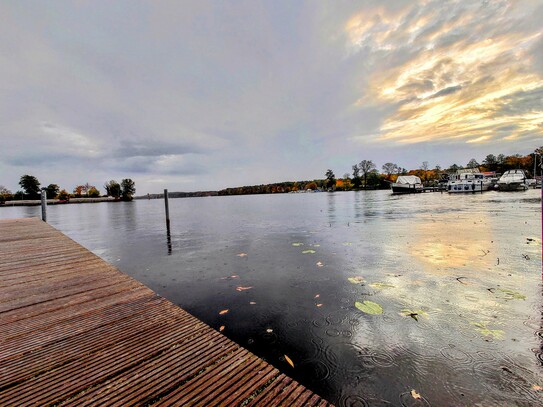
[407,400]
[353,400]
[458,356]
[319,370]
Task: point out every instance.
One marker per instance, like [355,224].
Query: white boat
[468,180]
[513,180]
[407,184]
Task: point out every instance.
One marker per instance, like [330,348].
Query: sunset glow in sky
[200,95]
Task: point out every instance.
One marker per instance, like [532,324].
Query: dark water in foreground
[469,267]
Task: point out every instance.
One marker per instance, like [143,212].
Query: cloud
[473,73]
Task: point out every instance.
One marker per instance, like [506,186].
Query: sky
[198,95]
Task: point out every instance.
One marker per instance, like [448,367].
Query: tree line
[31,189]
[365,175]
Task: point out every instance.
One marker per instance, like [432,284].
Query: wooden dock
[76,331]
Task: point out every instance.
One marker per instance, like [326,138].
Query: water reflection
[432,256]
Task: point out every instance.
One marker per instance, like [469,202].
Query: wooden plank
[76,331]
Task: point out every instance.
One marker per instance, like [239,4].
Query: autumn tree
[93,192]
[389,169]
[365,167]
[52,190]
[491,162]
[128,189]
[113,188]
[63,195]
[356,177]
[5,194]
[330,179]
[30,186]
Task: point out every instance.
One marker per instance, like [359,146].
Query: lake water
[458,278]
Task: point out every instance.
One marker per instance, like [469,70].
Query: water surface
[458,279]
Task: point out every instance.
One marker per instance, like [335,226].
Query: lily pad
[309,251]
[369,307]
[297,244]
[380,286]
[511,295]
[356,280]
[483,329]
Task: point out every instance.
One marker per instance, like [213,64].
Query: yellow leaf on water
[224,311]
[356,279]
[240,288]
[269,330]
[319,305]
[317,296]
[537,388]
[319,264]
[289,361]
[242,255]
[415,395]
[221,328]
[252,303]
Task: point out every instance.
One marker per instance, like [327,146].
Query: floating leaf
[224,311]
[242,255]
[309,251]
[289,361]
[316,245]
[229,278]
[413,313]
[297,244]
[269,330]
[537,388]
[243,288]
[380,286]
[317,296]
[319,305]
[512,295]
[369,307]
[319,264]
[252,303]
[415,395]
[221,328]
[482,328]
[356,280]
[347,244]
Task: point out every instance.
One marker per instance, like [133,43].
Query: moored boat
[468,180]
[513,180]
[407,184]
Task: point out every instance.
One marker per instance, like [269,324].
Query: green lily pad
[512,295]
[297,244]
[369,307]
[309,251]
[482,328]
[356,280]
[380,286]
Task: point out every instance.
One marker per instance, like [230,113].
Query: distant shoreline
[37,202]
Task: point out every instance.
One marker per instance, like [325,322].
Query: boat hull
[464,187]
[405,189]
[512,186]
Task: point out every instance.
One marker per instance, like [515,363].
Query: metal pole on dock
[44,206]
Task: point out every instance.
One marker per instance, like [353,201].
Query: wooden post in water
[168,235]
[44,206]
[167,210]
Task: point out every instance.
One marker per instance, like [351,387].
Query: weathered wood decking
[76,331]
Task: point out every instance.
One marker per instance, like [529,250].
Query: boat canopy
[408,179]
